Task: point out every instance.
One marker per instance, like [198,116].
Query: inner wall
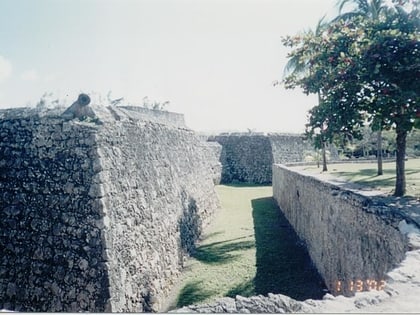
[352,242]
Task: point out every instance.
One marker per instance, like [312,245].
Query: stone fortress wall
[245,158]
[97,215]
[248,157]
[352,239]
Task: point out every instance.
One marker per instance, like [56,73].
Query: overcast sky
[214,60]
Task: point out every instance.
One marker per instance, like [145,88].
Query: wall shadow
[244,289]
[221,252]
[283,263]
[193,293]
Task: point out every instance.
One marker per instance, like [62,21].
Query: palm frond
[346,16]
[294,66]
[320,27]
[342,4]
[368,8]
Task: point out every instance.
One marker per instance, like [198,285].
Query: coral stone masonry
[248,157]
[352,240]
[99,211]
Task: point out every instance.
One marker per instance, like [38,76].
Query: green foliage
[364,65]
[391,69]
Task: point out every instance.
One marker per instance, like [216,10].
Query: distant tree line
[367,146]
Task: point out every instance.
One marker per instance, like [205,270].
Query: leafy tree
[363,68]
[390,66]
[372,10]
[327,56]
[299,66]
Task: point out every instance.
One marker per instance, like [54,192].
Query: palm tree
[299,65]
[369,9]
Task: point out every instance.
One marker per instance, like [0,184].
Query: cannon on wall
[79,109]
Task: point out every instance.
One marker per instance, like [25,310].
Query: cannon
[79,109]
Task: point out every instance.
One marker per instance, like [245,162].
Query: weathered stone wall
[50,242]
[158,116]
[245,158]
[97,215]
[249,157]
[157,192]
[352,240]
[213,151]
[288,148]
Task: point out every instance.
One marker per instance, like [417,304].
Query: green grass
[225,258]
[366,174]
[248,249]
[283,264]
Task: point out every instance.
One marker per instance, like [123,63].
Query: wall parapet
[157,116]
[352,240]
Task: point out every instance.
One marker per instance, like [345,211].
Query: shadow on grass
[208,236]
[221,252]
[192,293]
[283,263]
[244,289]
[370,178]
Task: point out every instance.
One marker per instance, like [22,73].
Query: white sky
[214,60]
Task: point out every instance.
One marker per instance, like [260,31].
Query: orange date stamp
[359,285]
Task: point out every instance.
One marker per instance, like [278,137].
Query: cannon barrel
[83,99]
[79,109]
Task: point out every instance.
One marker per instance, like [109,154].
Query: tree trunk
[379,152]
[317,158]
[324,157]
[400,163]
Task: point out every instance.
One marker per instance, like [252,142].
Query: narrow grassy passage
[248,249]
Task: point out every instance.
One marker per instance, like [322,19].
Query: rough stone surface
[249,157]
[97,215]
[245,158]
[351,239]
[289,148]
[273,303]
[213,151]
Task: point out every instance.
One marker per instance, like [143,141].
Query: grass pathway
[248,249]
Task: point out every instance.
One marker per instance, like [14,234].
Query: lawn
[247,251]
[366,174]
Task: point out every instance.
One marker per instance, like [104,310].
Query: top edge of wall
[105,113]
[254,134]
[370,200]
